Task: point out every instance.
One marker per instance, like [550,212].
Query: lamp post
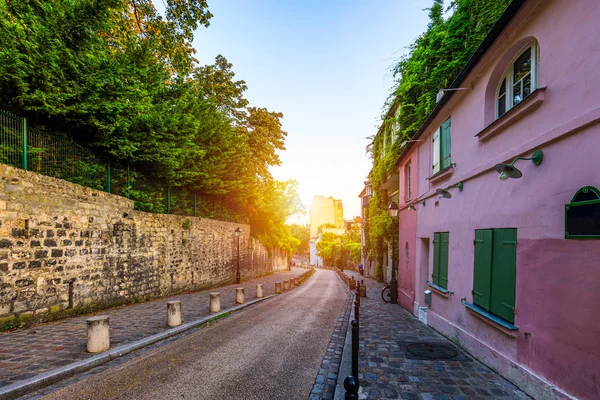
[237,236]
[393,210]
[342,255]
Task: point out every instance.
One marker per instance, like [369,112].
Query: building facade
[514,263]
[325,211]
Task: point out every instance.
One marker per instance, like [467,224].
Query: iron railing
[57,155]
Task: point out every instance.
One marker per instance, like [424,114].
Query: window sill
[442,175]
[439,290]
[525,107]
[504,326]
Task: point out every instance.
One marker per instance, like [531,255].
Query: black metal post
[355,349]
[351,385]
[237,275]
[394,281]
[356,309]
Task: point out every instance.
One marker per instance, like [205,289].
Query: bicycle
[386,294]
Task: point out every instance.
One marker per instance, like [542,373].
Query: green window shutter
[435,276]
[445,144]
[443,268]
[504,274]
[436,151]
[482,274]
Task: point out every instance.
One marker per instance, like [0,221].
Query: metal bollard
[215,302]
[278,287]
[259,290]
[98,337]
[174,313]
[355,342]
[239,295]
[357,309]
[351,385]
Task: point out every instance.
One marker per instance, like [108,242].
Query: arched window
[519,80]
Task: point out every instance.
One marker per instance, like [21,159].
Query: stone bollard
[259,290]
[215,302]
[239,295]
[98,338]
[286,285]
[278,287]
[174,313]
[292,283]
[352,284]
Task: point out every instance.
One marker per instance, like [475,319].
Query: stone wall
[65,246]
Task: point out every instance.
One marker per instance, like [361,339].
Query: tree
[302,233]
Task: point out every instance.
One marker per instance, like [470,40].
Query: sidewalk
[387,372]
[29,352]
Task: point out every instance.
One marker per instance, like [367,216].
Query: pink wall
[407,232]
[557,279]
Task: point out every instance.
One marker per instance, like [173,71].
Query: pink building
[514,264]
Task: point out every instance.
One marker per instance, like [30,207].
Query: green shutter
[443,278]
[445,144]
[504,262]
[482,274]
[435,276]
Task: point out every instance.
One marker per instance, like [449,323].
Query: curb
[47,378]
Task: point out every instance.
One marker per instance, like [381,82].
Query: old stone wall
[65,246]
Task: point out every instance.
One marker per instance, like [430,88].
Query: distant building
[325,211]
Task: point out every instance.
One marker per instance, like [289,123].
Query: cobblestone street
[29,352]
[387,372]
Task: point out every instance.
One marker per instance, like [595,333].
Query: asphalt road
[270,351]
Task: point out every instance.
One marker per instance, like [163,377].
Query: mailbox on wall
[582,214]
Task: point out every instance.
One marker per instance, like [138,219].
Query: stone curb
[47,378]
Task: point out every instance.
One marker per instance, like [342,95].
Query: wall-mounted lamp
[411,207]
[510,171]
[460,186]
[443,194]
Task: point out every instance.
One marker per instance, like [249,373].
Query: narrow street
[270,351]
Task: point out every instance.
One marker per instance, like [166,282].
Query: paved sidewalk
[29,352]
[385,371]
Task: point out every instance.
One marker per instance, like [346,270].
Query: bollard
[215,302]
[363,289]
[174,313]
[259,290]
[355,348]
[286,285]
[352,284]
[278,287]
[239,295]
[351,385]
[292,281]
[356,308]
[98,337]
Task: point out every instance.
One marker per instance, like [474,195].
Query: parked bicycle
[386,294]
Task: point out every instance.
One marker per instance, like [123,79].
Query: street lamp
[393,210]
[237,236]
[342,255]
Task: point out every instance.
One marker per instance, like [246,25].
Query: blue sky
[326,66]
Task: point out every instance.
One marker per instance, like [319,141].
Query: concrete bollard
[259,290]
[286,285]
[174,313]
[278,287]
[215,302]
[98,338]
[352,284]
[239,295]
[292,283]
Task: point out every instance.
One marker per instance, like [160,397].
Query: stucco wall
[53,232]
[557,279]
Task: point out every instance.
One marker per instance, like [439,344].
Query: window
[519,80]
[441,147]
[407,179]
[494,277]
[440,259]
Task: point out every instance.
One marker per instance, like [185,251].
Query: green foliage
[121,79]
[302,233]
[435,59]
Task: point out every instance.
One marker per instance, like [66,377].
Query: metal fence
[57,155]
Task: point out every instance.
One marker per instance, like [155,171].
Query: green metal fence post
[108,174]
[128,181]
[195,213]
[168,200]
[25,143]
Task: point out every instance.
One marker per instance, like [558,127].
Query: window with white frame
[519,80]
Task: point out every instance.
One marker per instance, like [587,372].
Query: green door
[504,263]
